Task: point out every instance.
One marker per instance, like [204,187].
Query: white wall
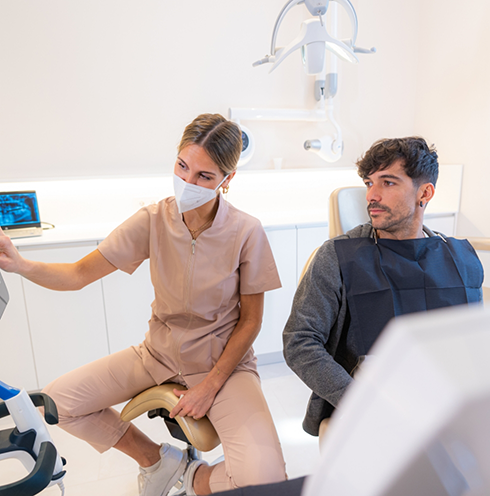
[105,87]
[453,99]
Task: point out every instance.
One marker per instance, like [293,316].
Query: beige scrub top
[197,283]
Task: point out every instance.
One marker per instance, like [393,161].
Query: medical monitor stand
[416,420]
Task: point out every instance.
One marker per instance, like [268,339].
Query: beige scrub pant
[240,415]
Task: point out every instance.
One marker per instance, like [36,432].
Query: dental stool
[158,401]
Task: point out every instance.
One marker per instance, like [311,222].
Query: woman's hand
[10,259]
[194,402]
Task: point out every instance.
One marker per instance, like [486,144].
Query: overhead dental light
[314,38]
[320,49]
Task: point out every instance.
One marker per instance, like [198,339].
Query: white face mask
[190,196]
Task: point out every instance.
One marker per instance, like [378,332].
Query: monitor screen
[19,209]
[416,419]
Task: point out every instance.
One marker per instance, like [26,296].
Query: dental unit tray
[29,441]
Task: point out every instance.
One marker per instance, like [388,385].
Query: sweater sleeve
[314,328]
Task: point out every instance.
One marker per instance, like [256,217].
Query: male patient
[391,266]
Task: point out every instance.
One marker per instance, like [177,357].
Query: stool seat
[200,433]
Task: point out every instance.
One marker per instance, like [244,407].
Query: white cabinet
[445,224]
[277,304]
[68,329]
[127,301]
[16,358]
[309,239]
[291,248]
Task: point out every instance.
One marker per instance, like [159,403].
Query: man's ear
[426,192]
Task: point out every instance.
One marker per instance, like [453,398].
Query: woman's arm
[62,277]
[198,400]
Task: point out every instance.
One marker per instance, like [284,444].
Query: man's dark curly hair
[419,159]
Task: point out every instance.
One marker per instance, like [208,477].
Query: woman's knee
[73,394]
[65,403]
[259,467]
[242,418]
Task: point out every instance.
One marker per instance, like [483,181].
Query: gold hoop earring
[225,189]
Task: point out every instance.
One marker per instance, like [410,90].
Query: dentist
[210,265]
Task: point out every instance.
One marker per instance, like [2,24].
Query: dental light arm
[316,7]
[311,33]
[329,148]
[322,8]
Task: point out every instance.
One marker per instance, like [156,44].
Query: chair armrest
[482,244]
[200,433]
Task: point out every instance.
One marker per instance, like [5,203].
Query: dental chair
[158,401]
[347,209]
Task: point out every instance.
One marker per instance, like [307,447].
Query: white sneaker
[189,473]
[159,480]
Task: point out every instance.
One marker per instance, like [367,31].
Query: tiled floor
[112,473]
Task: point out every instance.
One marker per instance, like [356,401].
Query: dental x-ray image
[19,209]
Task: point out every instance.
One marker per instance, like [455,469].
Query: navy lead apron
[385,278]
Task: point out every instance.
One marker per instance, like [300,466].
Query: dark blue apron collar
[428,234]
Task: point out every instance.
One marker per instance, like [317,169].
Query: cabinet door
[68,328]
[309,239]
[278,302]
[127,300]
[445,224]
[17,359]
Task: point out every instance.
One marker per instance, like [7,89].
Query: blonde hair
[221,138]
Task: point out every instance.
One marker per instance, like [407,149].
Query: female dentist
[210,265]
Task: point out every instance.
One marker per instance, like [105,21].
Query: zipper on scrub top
[190,266]
[188,276]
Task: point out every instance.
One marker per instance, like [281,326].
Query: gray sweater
[315,345]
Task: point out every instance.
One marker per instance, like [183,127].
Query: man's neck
[409,233]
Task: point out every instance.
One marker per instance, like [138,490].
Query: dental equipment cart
[29,441]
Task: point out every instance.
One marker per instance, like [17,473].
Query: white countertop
[86,233]
[82,233]
[87,210]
